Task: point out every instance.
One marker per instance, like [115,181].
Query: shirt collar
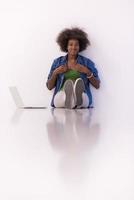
[78,59]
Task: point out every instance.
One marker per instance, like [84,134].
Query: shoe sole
[68,88]
[79,89]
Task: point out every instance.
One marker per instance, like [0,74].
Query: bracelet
[90,76]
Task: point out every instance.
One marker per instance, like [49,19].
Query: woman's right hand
[61,69]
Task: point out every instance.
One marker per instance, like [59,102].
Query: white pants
[59,100]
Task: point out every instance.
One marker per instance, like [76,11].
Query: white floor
[59,154]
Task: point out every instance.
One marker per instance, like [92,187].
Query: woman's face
[73,46]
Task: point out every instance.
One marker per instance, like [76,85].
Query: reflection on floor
[71,134]
[57,154]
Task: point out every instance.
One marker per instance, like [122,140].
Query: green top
[70,74]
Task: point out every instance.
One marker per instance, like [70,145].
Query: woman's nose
[74,48]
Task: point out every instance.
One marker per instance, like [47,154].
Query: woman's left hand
[83,69]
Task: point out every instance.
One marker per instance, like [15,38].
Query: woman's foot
[79,88]
[68,88]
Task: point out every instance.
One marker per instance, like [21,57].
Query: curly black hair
[72,33]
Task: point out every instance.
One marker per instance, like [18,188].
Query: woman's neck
[72,57]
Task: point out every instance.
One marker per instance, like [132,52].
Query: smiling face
[73,47]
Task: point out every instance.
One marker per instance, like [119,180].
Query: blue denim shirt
[60,78]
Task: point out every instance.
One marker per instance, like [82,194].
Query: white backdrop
[35,164]
[27,46]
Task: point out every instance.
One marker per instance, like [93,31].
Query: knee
[59,99]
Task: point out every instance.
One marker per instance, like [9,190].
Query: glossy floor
[57,154]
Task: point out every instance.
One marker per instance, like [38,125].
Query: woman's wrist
[89,75]
[54,73]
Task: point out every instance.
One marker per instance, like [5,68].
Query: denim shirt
[60,77]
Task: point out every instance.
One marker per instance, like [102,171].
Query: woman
[72,74]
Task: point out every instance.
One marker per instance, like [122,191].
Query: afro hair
[72,33]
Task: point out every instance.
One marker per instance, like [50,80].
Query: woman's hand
[83,69]
[95,82]
[61,69]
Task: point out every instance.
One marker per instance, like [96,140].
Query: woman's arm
[51,82]
[94,81]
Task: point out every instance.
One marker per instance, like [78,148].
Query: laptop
[18,100]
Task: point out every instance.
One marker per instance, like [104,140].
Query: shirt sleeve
[93,69]
[53,66]
[95,72]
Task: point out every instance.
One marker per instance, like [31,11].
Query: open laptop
[18,100]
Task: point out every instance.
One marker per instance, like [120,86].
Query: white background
[96,166]
[28,47]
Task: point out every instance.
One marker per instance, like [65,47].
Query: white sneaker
[68,88]
[79,88]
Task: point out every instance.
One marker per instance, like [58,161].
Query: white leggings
[59,100]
